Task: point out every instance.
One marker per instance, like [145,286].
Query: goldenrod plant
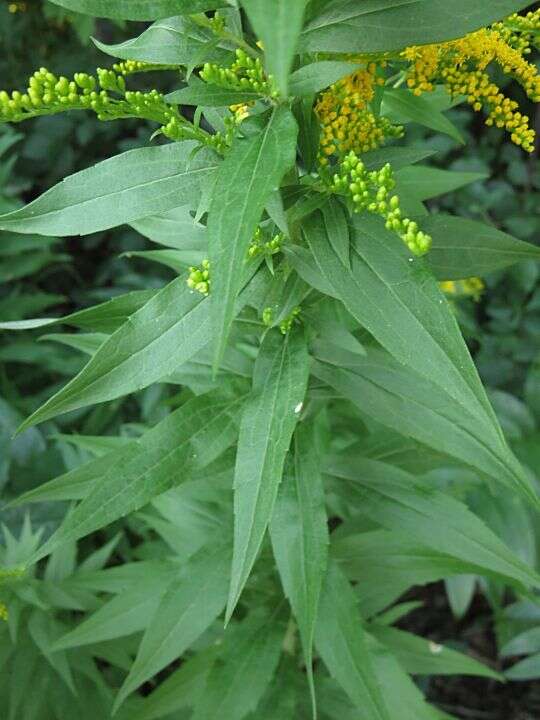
[316,379]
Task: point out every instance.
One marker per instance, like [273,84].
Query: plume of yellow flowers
[346,120]
[461,66]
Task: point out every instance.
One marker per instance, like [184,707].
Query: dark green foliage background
[502,328]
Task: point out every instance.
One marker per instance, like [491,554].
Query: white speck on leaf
[298,408]
[435,648]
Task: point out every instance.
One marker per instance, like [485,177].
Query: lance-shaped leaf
[463,248]
[208,95]
[192,602]
[105,317]
[182,443]
[404,106]
[311,79]
[179,690]
[400,501]
[166,332]
[398,301]
[249,174]
[399,398]
[126,613]
[375,26]
[139,9]
[420,656]
[299,535]
[119,190]
[341,642]
[249,657]
[278,23]
[268,421]
[172,41]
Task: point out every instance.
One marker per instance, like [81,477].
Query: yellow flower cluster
[4,614]
[240,112]
[346,121]
[461,66]
[469,287]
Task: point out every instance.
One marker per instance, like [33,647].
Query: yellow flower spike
[4,613]
[461,66]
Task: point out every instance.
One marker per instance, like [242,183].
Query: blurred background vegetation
[42,276]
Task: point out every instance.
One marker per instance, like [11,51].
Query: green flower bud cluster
[371,192]
[286,325]
[246,73]
[199,278]
[259,246]
[131,67]
[268,316]
[106,95]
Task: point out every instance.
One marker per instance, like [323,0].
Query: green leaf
[387,25]
[173,41]
[139,9]
[424,183]
[278,24]
[88,343]
[341,642]
[127,613]
[337,228]
[249,657]
[251,171]
[419,656]
[465,248]
[176,229]
[403,105]
[157,339]
[164,457]
[192,602]
[528,669]
[385,564]
[398,157]
[176,260]
[179,689]
[311,79]
[209,96]
[268,421]
[119,190]
[394,297]
[299,536]
[400,501]
[105,317]
[75,484]
[399,398]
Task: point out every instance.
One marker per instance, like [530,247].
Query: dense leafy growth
[291,432]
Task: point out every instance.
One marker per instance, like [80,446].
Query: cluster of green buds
[286,324]
[4,613]
[199,278]
[258,245]
[107,96]
[268,315]
[521,31]
[131,67]
[246,74]
[371,192]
